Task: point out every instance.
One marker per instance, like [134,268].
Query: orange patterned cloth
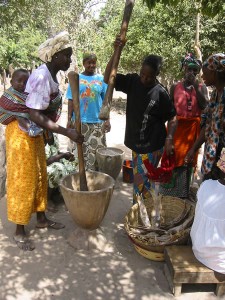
[26,174]
[187,132]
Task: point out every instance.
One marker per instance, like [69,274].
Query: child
[92,92]
[13,104]
[148,108]
[59,164]
[18,83]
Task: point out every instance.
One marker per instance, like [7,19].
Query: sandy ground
[55,270]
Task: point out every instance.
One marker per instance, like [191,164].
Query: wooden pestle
[105,110]
[74,84]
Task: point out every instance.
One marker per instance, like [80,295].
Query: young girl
[92,92]
[148,108]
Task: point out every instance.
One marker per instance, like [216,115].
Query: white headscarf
[53,45]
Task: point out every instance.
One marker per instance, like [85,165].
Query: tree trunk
[198,51]
[197,42]
[4,79]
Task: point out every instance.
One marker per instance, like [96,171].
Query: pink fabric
[181,98]
[40,86]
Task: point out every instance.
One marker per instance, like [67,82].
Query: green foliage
[165,30]
[25,24]
[210,8]
[19,48]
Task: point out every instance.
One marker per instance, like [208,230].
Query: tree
[207,7]
[21,36]
[158,30]
[19,47]
[166,30]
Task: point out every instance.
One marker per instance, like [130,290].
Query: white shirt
[208,229]
[40,86]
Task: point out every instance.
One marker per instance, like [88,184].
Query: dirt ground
[55,270]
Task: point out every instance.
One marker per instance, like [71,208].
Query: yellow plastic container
[150,254]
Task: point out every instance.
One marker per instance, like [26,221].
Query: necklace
[187,91]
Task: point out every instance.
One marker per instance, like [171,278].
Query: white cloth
[40,86]
[208,229]
[53,45]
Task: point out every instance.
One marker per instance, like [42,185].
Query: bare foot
[44,222]
[23,242]
[50,224]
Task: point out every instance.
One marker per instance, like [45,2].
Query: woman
[26,161]
[189,98]
[148,108]
[207,232]
[92,93]
[213,117]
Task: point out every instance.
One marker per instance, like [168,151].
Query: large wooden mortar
[110,160]
[87,208]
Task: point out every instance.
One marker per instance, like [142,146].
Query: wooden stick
[105,110]
[74,84]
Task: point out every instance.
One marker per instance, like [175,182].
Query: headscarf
[215,62]
[221,161]
[53,45]
[190,61]
[89,55]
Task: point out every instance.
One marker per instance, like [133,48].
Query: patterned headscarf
[89,55]
[221,161]
[53,45]
[215,62]
[190,61]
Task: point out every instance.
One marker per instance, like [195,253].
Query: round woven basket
[176,219]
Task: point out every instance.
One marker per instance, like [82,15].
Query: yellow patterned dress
[26,174]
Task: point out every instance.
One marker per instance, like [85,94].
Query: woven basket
[177,216]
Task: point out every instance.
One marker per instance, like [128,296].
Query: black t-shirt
[146,113]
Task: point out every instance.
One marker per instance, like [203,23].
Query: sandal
[23,243]
[50,224]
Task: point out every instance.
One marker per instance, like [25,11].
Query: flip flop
[50,224]
[23,243]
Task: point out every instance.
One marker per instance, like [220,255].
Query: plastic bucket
[128,175]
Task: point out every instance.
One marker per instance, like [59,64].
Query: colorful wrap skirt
[142,184]
[94,138]
[26,174]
